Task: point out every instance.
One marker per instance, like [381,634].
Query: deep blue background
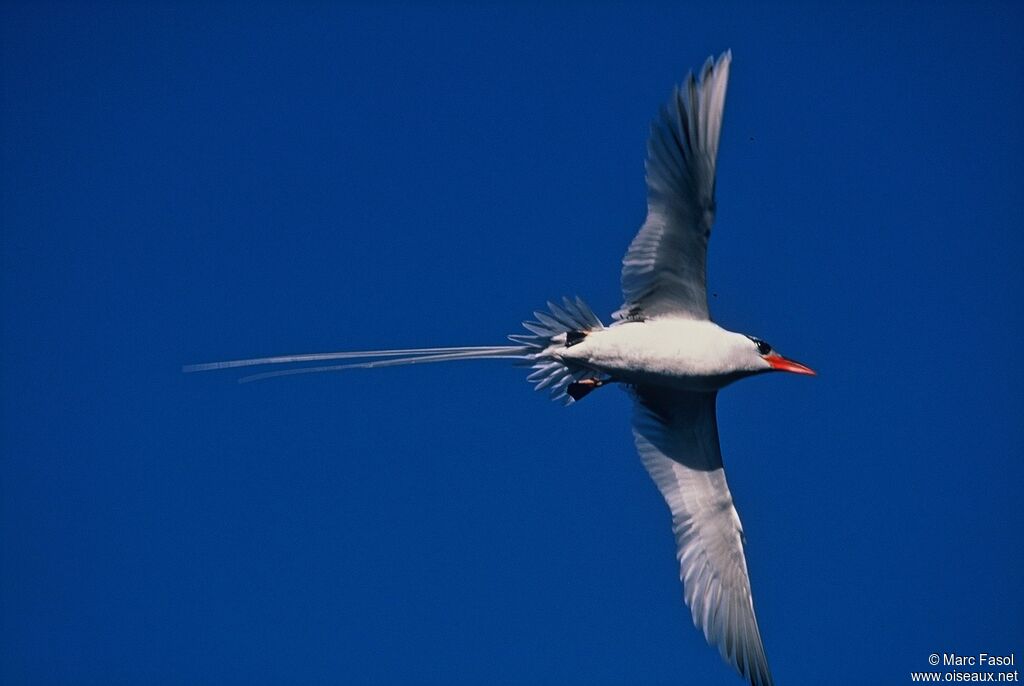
[183,183]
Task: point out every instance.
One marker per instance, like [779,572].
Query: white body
[684,354]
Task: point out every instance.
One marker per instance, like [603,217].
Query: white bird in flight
[663,347]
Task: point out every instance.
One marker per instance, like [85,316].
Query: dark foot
[580,389]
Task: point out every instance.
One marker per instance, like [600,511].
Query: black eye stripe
[762,347]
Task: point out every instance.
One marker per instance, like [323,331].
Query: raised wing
[663,272]
[677,437]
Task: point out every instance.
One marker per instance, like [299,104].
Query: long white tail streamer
[320,357]
[537,349]
[498,352]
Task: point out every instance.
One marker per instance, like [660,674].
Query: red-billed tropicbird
[663,347]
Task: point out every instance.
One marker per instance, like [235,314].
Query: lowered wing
[677,437]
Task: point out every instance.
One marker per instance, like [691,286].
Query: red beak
[781,364]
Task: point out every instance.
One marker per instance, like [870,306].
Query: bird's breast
[684,354]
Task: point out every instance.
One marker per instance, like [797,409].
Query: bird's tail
[367,359]
[563,326]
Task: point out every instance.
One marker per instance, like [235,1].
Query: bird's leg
[580,389]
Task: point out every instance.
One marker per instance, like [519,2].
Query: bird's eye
[762,347]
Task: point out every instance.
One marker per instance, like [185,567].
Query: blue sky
[183,183]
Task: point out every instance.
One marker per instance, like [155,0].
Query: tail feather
[573,315]
[499,352]
[348,355]
[563,325]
